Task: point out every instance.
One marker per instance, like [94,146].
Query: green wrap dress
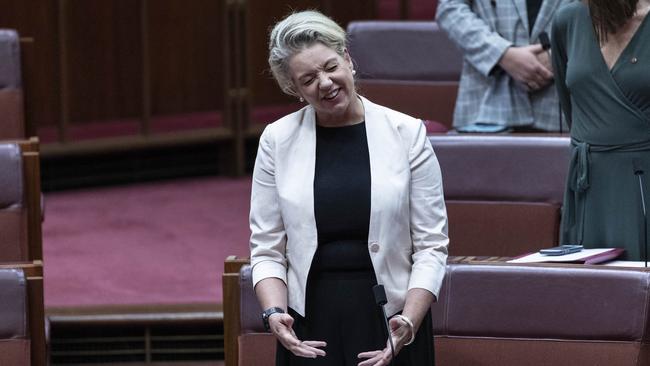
[609,113]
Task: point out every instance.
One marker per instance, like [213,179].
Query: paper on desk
[585,255]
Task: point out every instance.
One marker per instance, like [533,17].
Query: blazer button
[374,247]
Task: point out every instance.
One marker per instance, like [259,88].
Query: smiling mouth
[331,95]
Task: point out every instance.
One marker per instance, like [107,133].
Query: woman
[601,56]
[346,194]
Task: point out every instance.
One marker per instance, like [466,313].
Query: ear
[347,58]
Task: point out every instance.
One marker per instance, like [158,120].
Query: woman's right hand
[281,327]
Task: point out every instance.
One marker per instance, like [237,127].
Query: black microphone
[638,171]
[380,299]
[545,41]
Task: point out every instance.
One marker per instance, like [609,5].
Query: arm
[429,235]
[559,58]
[482,46]
[268,244]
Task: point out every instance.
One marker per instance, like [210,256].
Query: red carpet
[154,243]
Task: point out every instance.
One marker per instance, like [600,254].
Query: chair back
[12,125]
[410,66]
[14,309]
[20,202]
[501,314]
[503,193]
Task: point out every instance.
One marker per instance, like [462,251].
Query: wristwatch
[267,313]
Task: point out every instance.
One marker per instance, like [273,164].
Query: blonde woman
[346,194]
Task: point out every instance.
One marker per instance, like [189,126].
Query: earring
[301,99]
[354,72]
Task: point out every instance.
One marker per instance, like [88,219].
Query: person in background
[601,56]
[346,194]
[507,75]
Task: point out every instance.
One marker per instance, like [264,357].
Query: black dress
[340,308]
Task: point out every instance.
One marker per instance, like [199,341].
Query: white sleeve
[428,219]
[268,236]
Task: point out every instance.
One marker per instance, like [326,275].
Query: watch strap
[267,313]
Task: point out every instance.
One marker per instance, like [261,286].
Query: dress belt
[579,178]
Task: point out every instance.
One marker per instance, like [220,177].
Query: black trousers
[341,310]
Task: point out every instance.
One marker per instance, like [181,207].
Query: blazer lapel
[301,184]
[375,152]
[522,11]
[545,15]
[386,157]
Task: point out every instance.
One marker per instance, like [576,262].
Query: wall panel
[37,20]
[185,56]
[104,60]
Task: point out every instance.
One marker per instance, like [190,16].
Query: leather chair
[503,193]
[12,125]
[21,242]
[20,202]
[495,314]
[409,66]
[542,315]
[14,308]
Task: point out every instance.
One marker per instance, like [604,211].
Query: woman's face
[324,79]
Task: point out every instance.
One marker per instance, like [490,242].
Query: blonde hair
[296,32]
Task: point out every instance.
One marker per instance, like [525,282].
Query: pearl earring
[354,72]
[301,99]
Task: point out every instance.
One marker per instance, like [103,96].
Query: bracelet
[410,324]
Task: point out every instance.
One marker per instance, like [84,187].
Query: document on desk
[586,256]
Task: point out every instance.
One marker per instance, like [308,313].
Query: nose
[324,82]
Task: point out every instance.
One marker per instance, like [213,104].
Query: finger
[315,343]
[386,357]
[309,347]
[536,48]
[300,352]
[303,350]
[368,354]
[543,73]
[371,361]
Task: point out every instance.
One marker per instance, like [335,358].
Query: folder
[585,256]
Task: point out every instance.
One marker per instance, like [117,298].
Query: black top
[532,7]
[342,196]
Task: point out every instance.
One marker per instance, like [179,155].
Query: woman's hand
[525,65]
[401,333]
[281,327]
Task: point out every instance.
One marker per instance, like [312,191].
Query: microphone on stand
[380,299]
[638,171]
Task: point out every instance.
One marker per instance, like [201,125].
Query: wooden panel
[260,17]
[36,19]
[186,55]
[104,61]
[344,11]
[231,308]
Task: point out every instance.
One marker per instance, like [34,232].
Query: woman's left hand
[400,333]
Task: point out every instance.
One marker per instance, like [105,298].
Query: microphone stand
[639,173]
[380,299]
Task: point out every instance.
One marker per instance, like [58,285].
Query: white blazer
[407,238]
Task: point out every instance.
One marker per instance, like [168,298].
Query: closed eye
[308,81]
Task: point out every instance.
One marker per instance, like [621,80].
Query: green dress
[609,114]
